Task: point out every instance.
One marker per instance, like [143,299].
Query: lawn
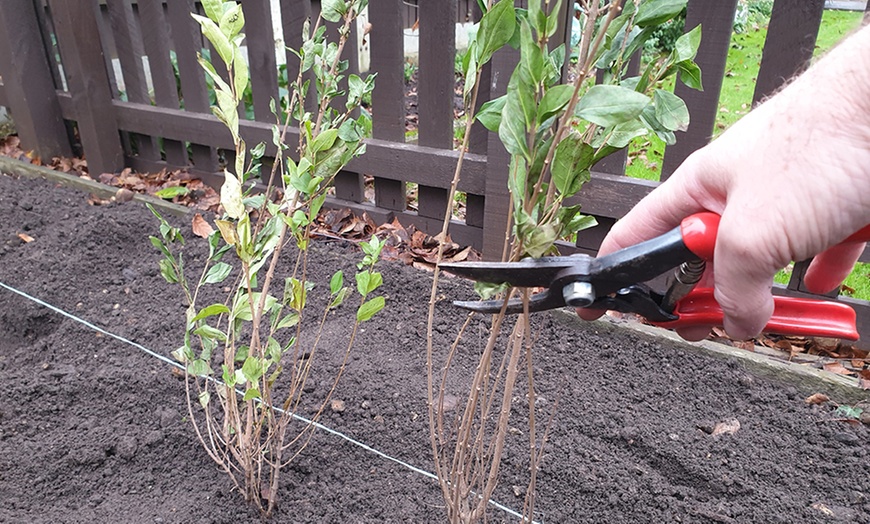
[744,58]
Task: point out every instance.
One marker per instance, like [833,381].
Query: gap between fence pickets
[239,392]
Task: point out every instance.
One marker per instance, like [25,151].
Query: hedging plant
[555,133]
[246,358]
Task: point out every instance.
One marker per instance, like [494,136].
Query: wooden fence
[57,68]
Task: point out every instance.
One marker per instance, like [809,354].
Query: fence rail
[125,72]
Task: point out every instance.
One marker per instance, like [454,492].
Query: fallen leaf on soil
[200,227]
[728,427]
[824,509]
[94,200]
[836,367]
[25,237]
[817,398]
[124,195]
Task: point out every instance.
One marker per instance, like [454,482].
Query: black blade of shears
[525,273]
[628,266]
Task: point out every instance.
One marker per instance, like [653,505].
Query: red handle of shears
[791,315]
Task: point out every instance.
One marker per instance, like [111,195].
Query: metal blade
[539,302]
[537,272]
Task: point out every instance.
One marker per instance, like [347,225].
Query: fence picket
[260,40]
[715,19]
[28,86]
[435,93]
[85,68]
[388,99]
[155,40]
[128,40]
[186,36]
[788,48]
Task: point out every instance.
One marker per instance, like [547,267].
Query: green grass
[738,86]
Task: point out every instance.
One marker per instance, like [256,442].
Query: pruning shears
[617,282]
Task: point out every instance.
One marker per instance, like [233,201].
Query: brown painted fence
[57,68]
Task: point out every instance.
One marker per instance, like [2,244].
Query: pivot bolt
[579,294]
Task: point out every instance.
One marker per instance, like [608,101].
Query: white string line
[297,417]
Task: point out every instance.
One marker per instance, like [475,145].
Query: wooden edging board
[23,169]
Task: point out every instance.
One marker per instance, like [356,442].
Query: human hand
[790,180]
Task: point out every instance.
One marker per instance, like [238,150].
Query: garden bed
[93,429]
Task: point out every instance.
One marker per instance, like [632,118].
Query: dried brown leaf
[817,398]
[201,228]
[836,367]
[727,427]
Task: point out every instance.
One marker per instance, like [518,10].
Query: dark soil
[93,429]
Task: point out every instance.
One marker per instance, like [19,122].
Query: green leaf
[240,73]
[512,129]
[541,240]
[251,394]
[218,273]
[656,12]
[370,308]
[553,18]
[362,282]
[213,8]
[352,131]
[209,332]
[323,141]
[295,293]
[608,105]
[554,101]
[619,136]
[199,367]
[289,320]
[167,271]
[227,113]
[487,290]
[218,39]
[171,192]
[273,349]
[690,74]
[490,113]
[336,282]
[339,297]
[210,70]
[531,56]
[156,242]
[258,151]
[333,10]
[571,164]
[686,47]
[210,311]
[496,28]
[232,21]
[242,309]
[253,369]
[231,197]
[671,111]
[204,398]
[651,121]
